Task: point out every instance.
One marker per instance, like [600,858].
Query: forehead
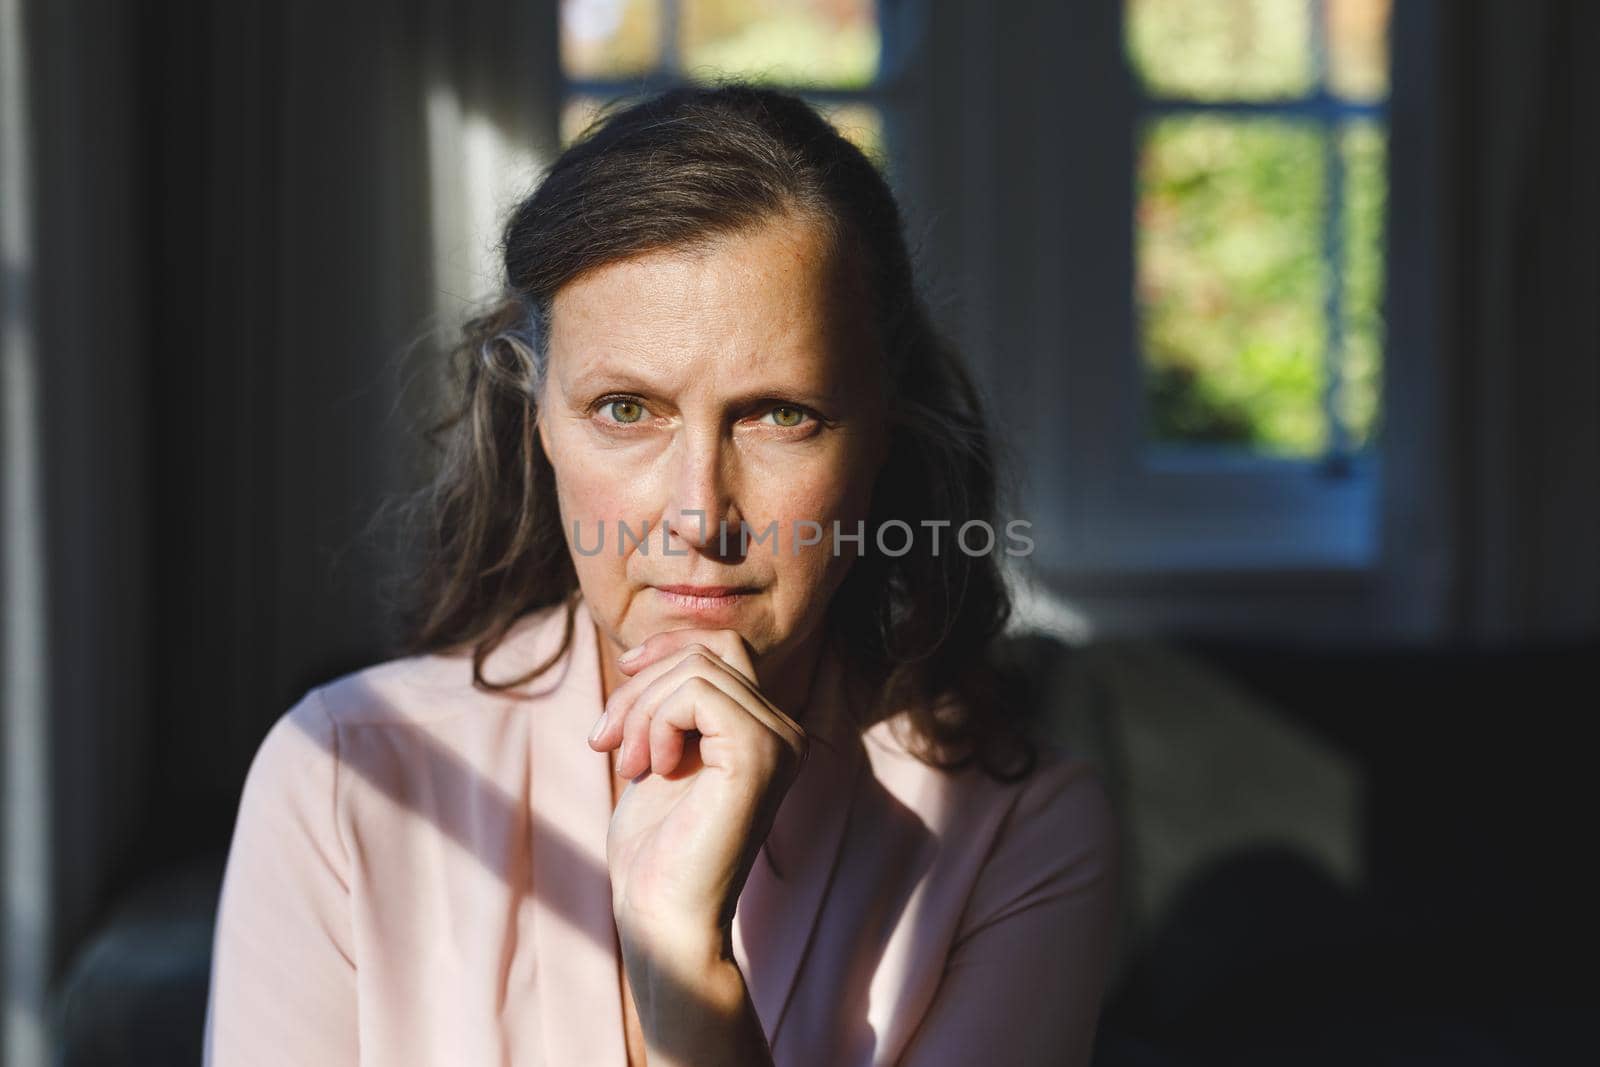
[773,297]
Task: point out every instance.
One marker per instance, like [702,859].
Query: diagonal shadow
[473,812]
[486,822]
[464,805]
[854,930]
[861,916]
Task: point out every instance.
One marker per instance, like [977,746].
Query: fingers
[663,658]
[695,692]
[695,660]
[688,710]
[654,742]
[729,645]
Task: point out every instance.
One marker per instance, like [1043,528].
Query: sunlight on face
[738,382]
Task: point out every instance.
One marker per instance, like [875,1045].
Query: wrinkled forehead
[770,302]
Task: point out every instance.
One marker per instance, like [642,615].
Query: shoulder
[1054,826]
[434,687]
[288,802]
[1054,854]
[1063,789]
[1060,820]
[392,720]
[298,751]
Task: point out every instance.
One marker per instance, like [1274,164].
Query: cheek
[822,494]
[834,485]
[592,501]
[791,501]
[588,484]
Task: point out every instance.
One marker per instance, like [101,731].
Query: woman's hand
[710,760]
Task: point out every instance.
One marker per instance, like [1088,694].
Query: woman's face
[731,384]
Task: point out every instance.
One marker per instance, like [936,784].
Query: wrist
[693,1004]
[688,936]
[674,952]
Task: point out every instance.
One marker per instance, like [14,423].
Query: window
[838,54]
[1217,287]
[1259,202]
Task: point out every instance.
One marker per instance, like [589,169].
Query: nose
[699,497]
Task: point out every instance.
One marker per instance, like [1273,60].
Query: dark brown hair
[678,170]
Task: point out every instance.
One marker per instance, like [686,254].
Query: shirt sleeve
[283,973]
[1024,978]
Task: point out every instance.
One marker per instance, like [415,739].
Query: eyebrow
[630,380]
[621,378]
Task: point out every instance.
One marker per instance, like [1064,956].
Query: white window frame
[1156,507]
[1124,506]
[1029,175]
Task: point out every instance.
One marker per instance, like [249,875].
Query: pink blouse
[417,876]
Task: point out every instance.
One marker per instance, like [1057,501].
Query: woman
[671,773]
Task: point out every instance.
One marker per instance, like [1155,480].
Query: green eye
[788,416]
[624,411]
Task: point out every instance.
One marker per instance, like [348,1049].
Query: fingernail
[599,725]
[631,654]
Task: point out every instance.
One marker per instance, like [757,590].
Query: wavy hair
[678,170]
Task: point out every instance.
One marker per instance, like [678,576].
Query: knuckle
[693,687]
[691,661]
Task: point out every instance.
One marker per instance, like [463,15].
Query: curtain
[1495,306]
[1525,403]
[254,223]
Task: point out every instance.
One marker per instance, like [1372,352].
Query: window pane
[576,113]
[1231,287]
[1358,48]
[609,38]
[1217,49]
[861,123]
[822,43]
[1364,148]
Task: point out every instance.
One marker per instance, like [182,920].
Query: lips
[703,601]
[705,590]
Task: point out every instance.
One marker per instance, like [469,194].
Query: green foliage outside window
[1261,190]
